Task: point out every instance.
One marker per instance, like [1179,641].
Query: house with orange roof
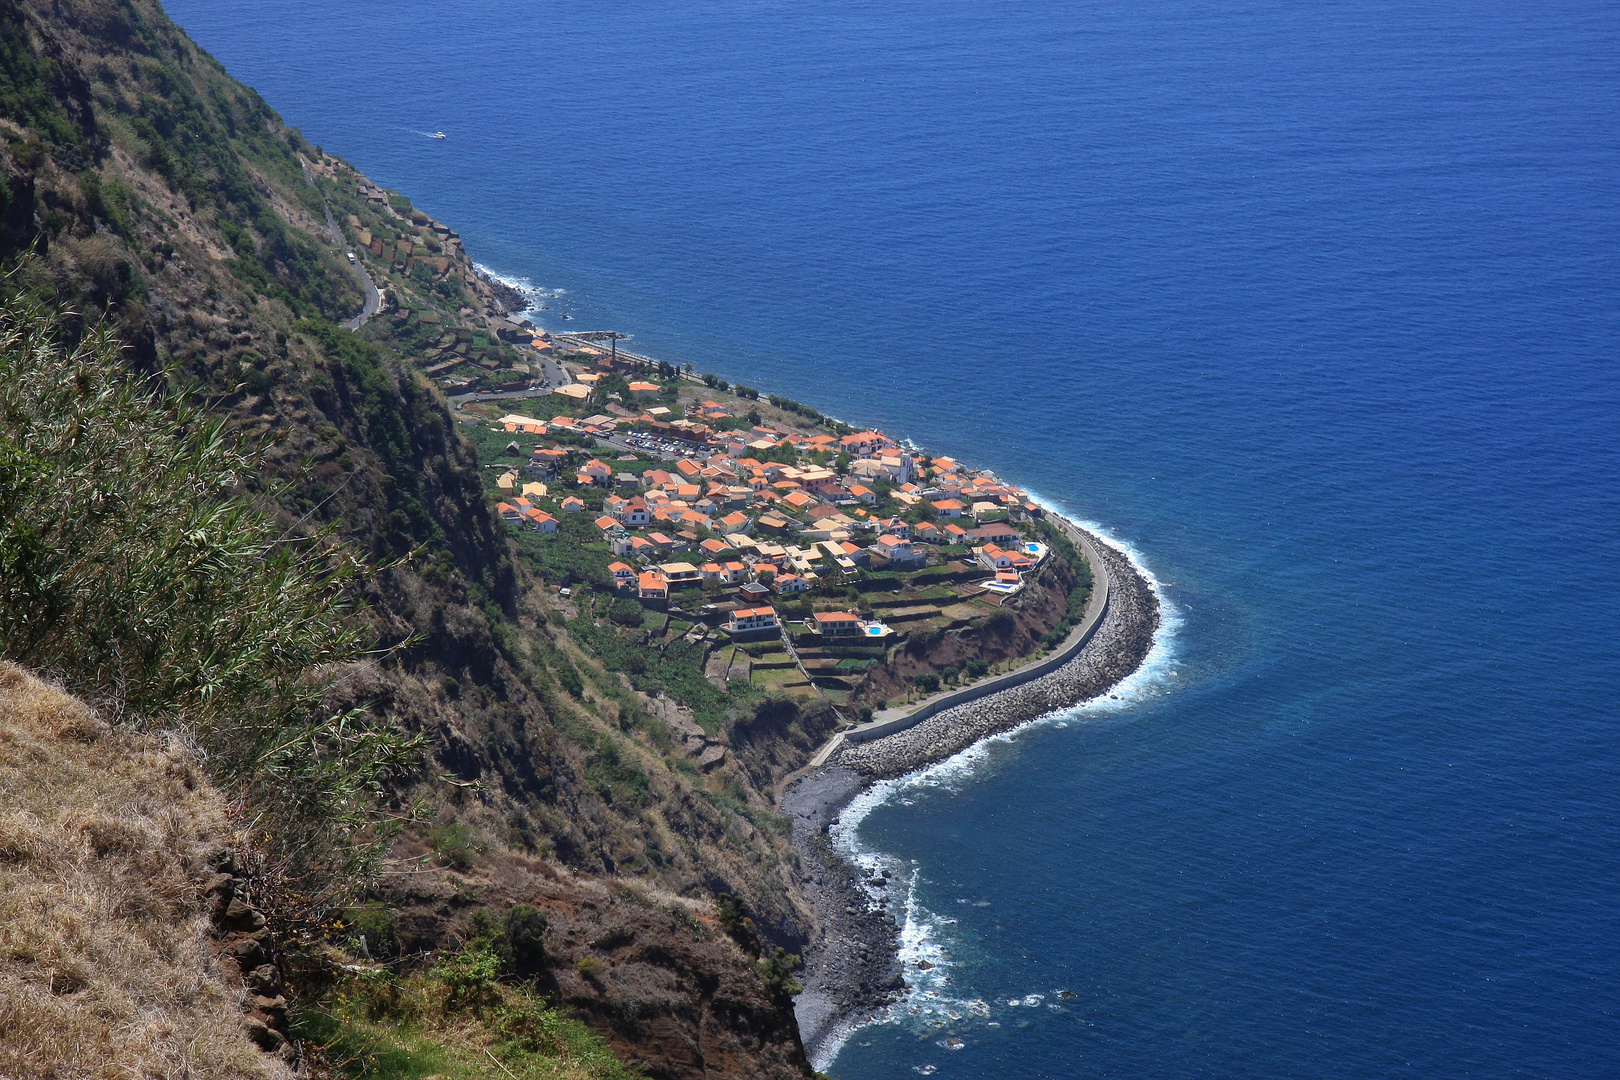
[539,520]
[998,558]
[753,622]
[927,532]
[572,505]
[897,552]
[509,513]
[998,532]
[955,534]
[863,493]
[948,508]
[736,522]
[609,525]
[597,472]
[862,443]
[636,513]
[644,391]
[789,583]
[799,501]
[836,623]
[714,547]
[652,586]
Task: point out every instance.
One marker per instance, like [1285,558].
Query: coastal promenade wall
[894,720]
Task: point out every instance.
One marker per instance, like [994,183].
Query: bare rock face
[246,955]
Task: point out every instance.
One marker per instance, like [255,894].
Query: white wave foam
[532,293]
[928,1001]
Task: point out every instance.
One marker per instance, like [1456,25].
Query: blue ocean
[1315,307]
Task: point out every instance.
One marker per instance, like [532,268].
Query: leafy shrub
[469,977]
[374,923]
[625,612]
[137,568]
[455,844]
[776,970]
[516,939]
[976,668]
[735,922]
[927,682]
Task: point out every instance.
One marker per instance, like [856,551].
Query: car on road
[351,256]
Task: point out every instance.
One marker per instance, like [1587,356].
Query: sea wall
[897,720]
[1110,646]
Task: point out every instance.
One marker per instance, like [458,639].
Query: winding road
[373,301]
[373,298]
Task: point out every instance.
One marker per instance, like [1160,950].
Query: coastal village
[712,543]
[699,534]
[800,555]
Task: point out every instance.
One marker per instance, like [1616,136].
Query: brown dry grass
[105,965]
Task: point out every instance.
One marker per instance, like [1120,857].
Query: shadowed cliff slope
[163,199]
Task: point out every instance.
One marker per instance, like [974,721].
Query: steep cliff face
[161,197]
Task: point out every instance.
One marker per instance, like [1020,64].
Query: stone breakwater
[851,967]
[1118,648]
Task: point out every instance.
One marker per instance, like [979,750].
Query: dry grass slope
[105,965]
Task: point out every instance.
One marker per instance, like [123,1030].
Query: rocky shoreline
[852,967]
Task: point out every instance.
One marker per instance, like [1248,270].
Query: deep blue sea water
[1317,306]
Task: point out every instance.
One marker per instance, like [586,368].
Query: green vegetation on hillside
[137,566]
